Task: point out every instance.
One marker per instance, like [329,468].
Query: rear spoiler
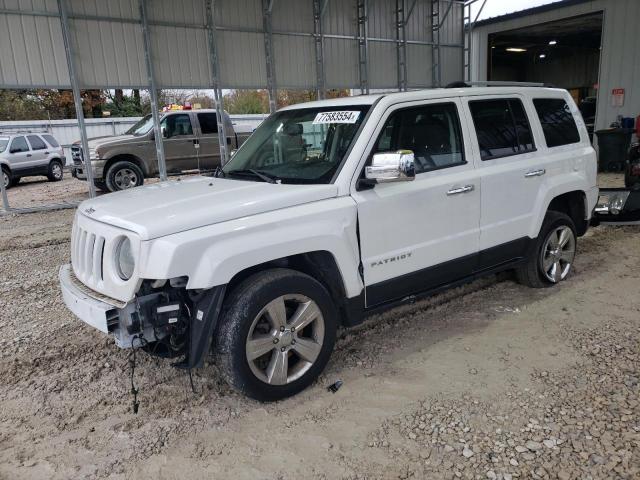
[618,206]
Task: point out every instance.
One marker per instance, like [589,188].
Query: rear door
[39,152]
[179,140]
[209,151]
[511,173]
[420,234]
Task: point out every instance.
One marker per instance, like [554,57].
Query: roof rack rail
[15,132]
[497,83]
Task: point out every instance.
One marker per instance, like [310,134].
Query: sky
[494,8]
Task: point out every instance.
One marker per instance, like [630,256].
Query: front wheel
[123,175]
[276,334]
[6,177]
[555,250]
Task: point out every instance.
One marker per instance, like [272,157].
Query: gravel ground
[491,380]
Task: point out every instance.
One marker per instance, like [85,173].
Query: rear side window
[208,123]
[432,132]
[36,142]
[19,144]
[52,141]
[558,124]
[502,128]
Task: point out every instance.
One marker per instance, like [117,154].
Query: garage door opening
[565,53]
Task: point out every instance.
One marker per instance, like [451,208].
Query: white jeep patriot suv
[330,211]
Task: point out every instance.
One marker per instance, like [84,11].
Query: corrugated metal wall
[108,45]
[619,56]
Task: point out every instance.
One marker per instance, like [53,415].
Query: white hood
[164,208]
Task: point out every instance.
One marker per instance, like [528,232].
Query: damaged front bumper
[162,315]
[618,206]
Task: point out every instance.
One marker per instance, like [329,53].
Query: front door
[179,142]
[21,155]
[420,234]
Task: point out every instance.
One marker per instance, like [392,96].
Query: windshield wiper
[265,177]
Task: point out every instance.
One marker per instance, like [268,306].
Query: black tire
[532,273]
[55,172]
[125,168]
[243,305]
[14,181]
[102,186]
[7,172]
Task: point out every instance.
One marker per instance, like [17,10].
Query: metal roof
[531,11]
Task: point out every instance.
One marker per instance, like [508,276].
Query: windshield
[298,146]
[4,141]
[142,127]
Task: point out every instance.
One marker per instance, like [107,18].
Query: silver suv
[29,155]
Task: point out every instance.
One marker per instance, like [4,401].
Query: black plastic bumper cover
[204,318]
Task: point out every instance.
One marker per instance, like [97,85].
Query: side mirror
[391,167]
[165,133]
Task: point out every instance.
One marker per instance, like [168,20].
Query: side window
[502,128]
[52,141]
[431,132]
[36,142]
[19,144]
[558,124]
[208,123]
[174,125]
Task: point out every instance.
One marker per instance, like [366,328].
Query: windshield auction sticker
[336,117]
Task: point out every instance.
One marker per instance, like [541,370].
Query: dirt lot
[492,380]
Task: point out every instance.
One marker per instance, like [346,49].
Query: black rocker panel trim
[448,272]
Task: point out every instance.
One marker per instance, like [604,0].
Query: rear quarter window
[558,125]
[51,141]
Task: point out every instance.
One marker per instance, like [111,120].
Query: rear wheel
[276,334]
[55,173]
[123,175]
[555,250]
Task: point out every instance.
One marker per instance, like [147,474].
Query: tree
[247,101]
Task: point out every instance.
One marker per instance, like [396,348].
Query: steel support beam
[267,25]
[363,45]
[435,43]
[153,91]
[214,64]
[318,10]
[401,45]
[468,26]
[77,96]
[3,192]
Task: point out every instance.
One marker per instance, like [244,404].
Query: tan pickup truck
[124,161]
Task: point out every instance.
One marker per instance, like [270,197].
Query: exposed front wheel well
[321,265]
[573,204]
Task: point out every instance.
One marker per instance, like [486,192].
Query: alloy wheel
[56,170]
[558,253]
[125,178]
[285,339]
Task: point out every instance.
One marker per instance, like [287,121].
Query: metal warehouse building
[590,47]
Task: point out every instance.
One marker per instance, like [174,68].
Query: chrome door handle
[459,190]
[535,173]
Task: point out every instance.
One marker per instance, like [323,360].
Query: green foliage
[247,101]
